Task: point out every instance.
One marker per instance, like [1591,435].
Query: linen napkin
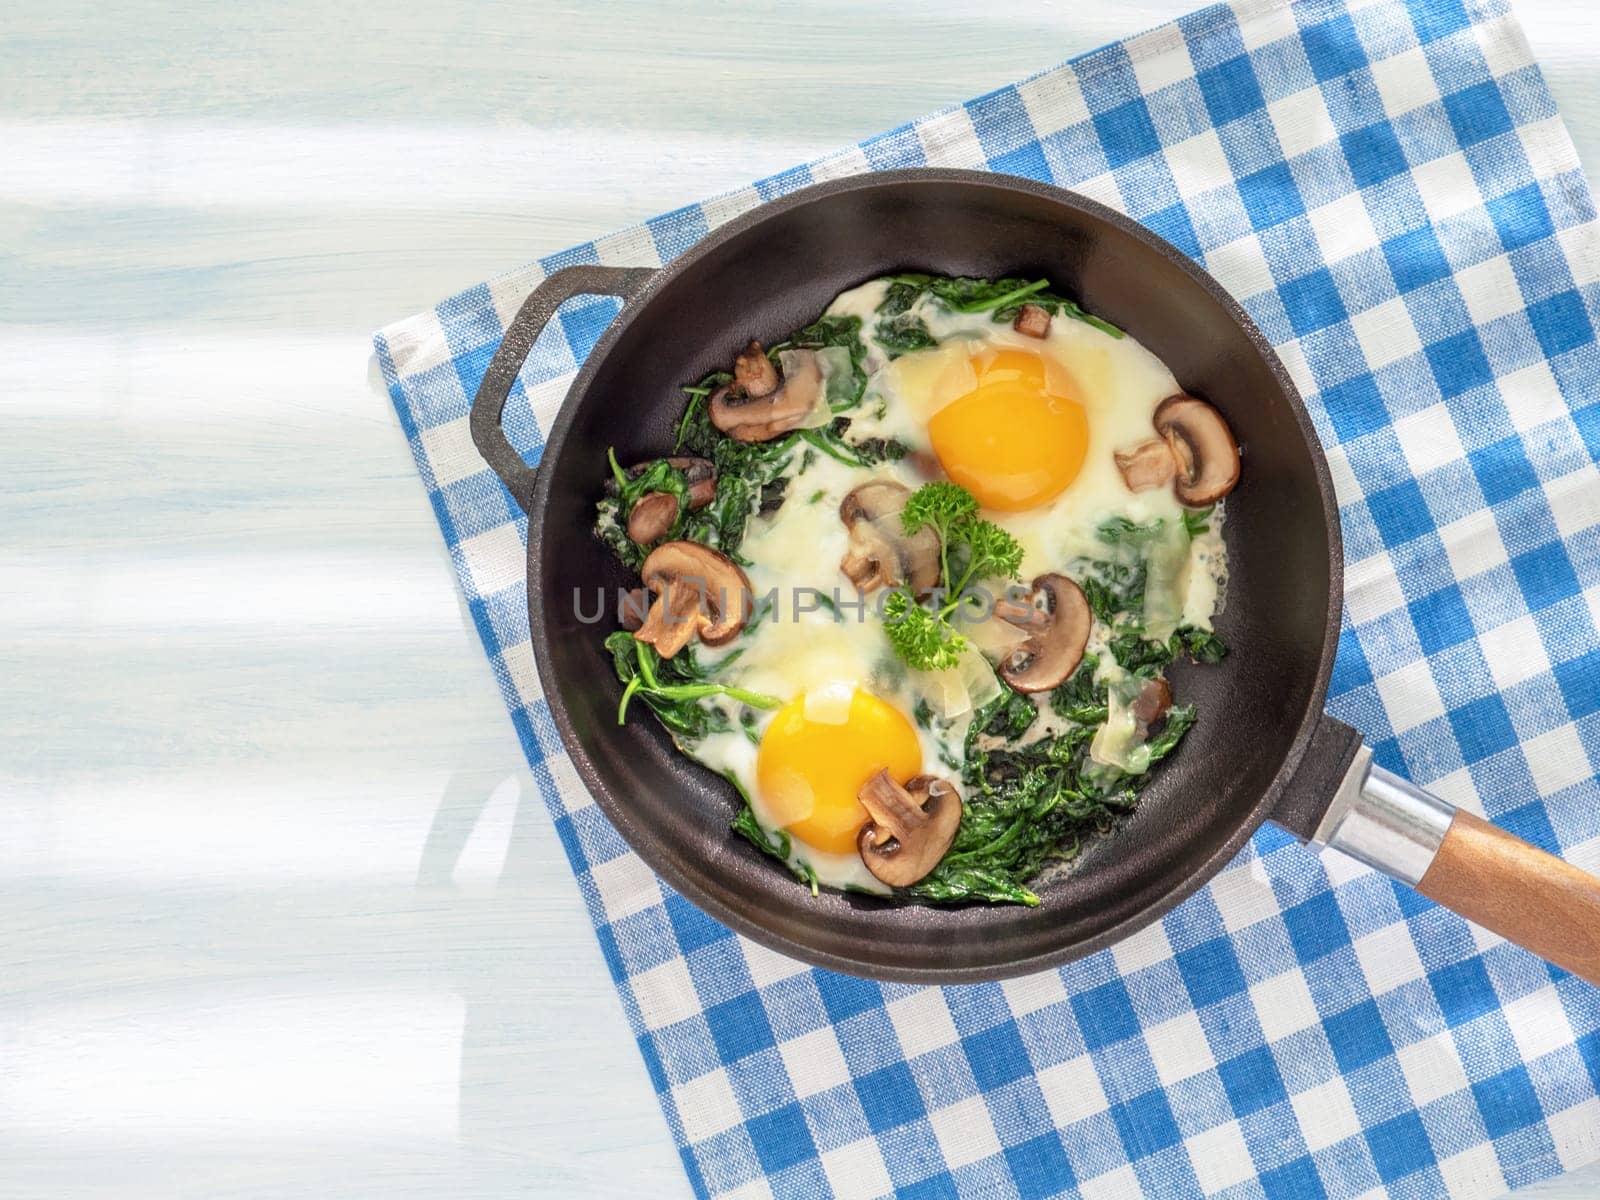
[1388,189]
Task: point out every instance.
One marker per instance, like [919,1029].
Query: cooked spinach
[1080,698]
[1003,720]
[876,450]
[752,477]
[614,534]
[1140,654]
[1179,719]
[1029,805]
[1137,654]
[902,334]
[1115,584]
[900,331]
[1200,644]
[1112,588]
[772,495]
[612,521]
[1058,306]
[1004,297]
[673,688]
[1197,520]
[1120,531]
[696,433]
[959,293]
[771,841]
[834,331]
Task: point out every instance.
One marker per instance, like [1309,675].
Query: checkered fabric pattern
[1389,191]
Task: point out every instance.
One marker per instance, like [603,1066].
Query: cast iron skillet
[1262,748]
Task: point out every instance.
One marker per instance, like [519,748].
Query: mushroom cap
[651,517]
[748,415]
[1206,456]
[1151,704]
[882,553]
[911,826]
[653,513]
[1057,634]
[700,592]
[1148,465]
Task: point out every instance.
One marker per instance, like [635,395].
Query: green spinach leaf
[903,334]
[673,688]
[774,842]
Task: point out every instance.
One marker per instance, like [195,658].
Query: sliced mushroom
[754,372]
[632,606]
[911,826]
[1057,622]
[654,512]
[882,553]
[1203,449]
[1148,465]
[652,515]
[1033,321]
[699,592]
[747,414]
[1151,704]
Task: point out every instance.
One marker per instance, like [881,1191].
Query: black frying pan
[1263,747]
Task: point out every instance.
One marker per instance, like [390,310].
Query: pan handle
[1461,861]
[488,406]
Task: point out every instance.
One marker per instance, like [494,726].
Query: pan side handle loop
[488,406]
[1494,879]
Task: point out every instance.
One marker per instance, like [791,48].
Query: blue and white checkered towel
[1388,189]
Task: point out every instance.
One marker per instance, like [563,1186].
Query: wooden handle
[1518,891]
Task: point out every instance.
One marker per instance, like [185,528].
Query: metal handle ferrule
[1385,821]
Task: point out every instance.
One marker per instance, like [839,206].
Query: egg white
[809,648]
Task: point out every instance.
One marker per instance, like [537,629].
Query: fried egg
[849,703]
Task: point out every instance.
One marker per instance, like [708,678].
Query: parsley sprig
[970,549]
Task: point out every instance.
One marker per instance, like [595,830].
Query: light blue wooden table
[280,914]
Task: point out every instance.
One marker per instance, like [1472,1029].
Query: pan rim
[683,880]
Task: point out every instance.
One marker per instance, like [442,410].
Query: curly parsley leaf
[940,504]
[970,548]
[923,638]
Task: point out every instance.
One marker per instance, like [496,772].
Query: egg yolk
[1009,441]
[810,772]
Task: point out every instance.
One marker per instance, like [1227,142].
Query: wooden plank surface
[281,913]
